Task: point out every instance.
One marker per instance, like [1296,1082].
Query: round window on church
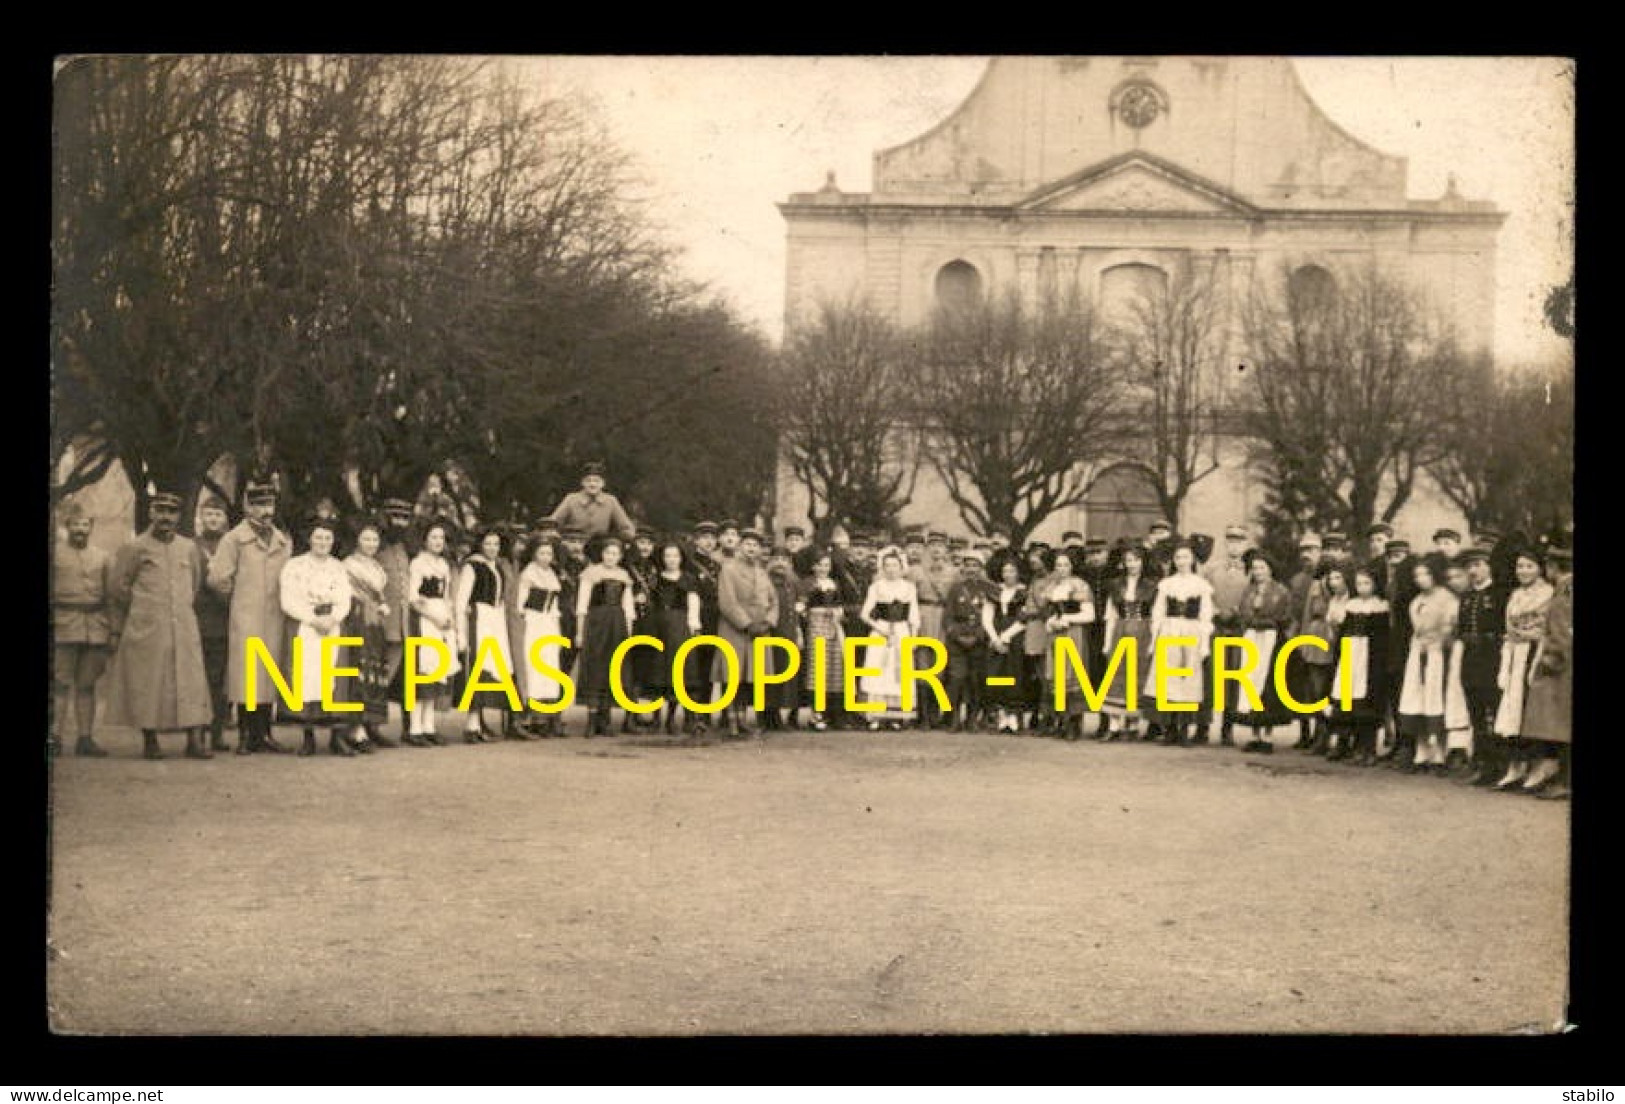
[959,285]
[1139,104]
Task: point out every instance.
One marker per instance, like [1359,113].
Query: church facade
[1104,176]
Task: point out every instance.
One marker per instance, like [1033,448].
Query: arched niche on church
[1122,287]
[958,286]
[1122,502]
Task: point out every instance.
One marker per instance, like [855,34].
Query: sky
[719,141]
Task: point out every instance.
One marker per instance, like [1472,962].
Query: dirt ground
[835,883]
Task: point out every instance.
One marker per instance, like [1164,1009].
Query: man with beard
[1376,539]
[395,557]
[1400,569]
[156,681]
[931,592]
[247,570]
[79,641]
[572,562]
[213,619]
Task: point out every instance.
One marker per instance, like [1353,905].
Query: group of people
[1459,660]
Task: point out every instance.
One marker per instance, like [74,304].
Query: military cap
[958,544]
[914,534]
[728,523]
[751,534]
[211,502]
[1446,534]
[397,506]
[592,467]
[1469,555]
[982,546]
[705,527]
[1382,528]
[1488,533]
[936,536]
[258,491]
[794,531]
[974,555]
[1038,546]
[545,525]
[644,532]
[1071,535]
[1096,544]
[1398,544]
[573,532]
[1336,540]
[1309,540]
[164,500]
[1235,532]
[1163,525]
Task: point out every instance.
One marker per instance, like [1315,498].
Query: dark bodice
[542,601]
[891,611]
[1364,624]
[607,592]
[1065,608]
[485,583]
[433,586]
[1008,614]
[1190,608]
[671,594]
[824,599]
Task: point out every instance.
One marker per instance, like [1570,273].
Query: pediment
[1136,184]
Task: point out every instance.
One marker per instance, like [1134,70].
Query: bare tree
[1508,456]
[1017,406]
[351,270]
[1345,403]
[1173,341]
[843,416]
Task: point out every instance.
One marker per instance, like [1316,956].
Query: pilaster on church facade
[1100,176]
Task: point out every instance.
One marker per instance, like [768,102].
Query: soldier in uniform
[156,681]
[1302,588]
[592,509]
[213,619]
[1159,544]
[643,670]
[966,640]
[795,539]
[247,570]
[1074,539]
[749,604]
[1227,575]
[79,638]
[395,557]
[1480,626]
[1447,542]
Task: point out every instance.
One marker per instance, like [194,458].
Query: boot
[377,737]
[88,747]
[1320,738]
[337,744]
[626,723]
[1201,736]
[364,745]
[307,746]
[149,746]
[732,730]
[217,737]
[1227,735]
[263,738]
[670,727]
[196,748]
